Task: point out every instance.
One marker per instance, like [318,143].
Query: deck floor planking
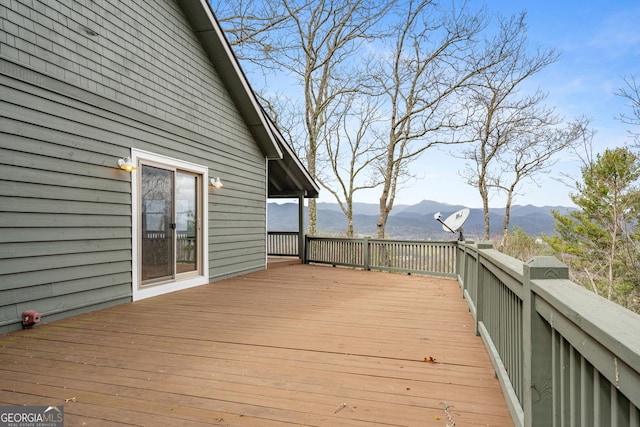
[296,345]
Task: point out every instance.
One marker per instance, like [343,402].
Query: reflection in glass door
[187,222]
[170,223]
[158,226]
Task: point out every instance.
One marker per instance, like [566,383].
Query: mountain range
[415,222]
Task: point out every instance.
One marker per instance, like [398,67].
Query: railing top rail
[510,270]
[615,327]
[514,267]
[389,241]
[416,242]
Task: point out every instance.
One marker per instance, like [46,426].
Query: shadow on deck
[282,261]
[298,345]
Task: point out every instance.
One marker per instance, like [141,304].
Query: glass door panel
[187,223]
[158,225]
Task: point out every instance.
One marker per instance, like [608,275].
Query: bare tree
[429,63]
[631,93]
[249,26]
[353,149]
[312,44]
[318,52]
[532,154]
[504,120]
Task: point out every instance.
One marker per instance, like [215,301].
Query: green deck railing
[563,355]
[282,243]
[405,256]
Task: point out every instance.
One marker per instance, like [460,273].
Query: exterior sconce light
[126,164]
[216,183]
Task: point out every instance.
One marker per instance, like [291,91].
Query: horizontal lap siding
[82,83]
[65,217]
[237,237]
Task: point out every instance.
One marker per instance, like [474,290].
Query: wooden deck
[297,345]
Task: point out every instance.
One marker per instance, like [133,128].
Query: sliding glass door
[171,241]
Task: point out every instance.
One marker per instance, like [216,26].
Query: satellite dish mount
[454,222]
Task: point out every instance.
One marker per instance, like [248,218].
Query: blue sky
[599,42]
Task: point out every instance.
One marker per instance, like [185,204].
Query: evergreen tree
[600,241]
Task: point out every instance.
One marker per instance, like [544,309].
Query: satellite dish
[454,222]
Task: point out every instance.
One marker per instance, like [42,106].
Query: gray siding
[80,84]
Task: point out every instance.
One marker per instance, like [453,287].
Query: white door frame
[179,284]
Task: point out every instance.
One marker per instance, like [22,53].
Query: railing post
[462,262]
[478,300]
[537,345]
[465,259]
[366,260]
[465,282]
[459,257]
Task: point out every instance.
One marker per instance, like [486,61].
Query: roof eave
[302,178]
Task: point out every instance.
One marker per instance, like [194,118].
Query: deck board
[296,345]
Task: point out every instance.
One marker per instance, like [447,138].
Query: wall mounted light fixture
[127,164]
[216,183]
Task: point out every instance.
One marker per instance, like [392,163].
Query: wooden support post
[305,258]
[301,242]
[537,358]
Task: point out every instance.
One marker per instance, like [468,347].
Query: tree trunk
[507,217]
[612,249]
[312,219]
[384,215]
[485,209]
[349,219]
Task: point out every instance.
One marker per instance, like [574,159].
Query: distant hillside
[413,221]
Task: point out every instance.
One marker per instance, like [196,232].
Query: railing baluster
[613,394]
[282,243]
[586,394]
[418,257]
[572,387]
[597,417]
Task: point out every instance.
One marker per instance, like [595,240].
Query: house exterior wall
[81,84]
